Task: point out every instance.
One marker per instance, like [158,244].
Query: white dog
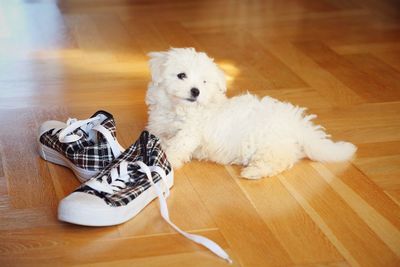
[189,112]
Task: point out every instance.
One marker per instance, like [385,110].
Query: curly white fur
[266,136]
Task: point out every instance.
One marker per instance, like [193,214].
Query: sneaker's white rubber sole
[89,210]
[54,156]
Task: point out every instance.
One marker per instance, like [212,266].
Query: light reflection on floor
[40,55]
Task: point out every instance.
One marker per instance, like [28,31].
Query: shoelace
[88,126]
[118,183]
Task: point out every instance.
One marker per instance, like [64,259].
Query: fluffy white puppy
[189,112]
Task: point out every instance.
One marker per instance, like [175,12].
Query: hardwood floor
[341,59]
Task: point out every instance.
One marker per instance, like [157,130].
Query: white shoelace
[118,182]
[89,126]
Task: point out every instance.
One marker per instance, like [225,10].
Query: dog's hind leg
[272,160]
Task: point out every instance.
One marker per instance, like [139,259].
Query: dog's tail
[325,150]
[317,146]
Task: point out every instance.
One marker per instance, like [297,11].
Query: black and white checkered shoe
[84,146]
[121,190]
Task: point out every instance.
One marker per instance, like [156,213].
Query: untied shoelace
[66,135]
[118,182]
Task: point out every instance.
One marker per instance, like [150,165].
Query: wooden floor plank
[366,189]
[27,177]
[123,45]
[196,259]
[394,195]
[88,38]
[291,225]
[382,170]
[358,80]
[378,149]
[148,40]
[318,78]
[66,249]
[366,123]
[275,71]
[385,228]
[318,200]
[241,225]
[371,48]
[388,77]
[390,57]
[12,218]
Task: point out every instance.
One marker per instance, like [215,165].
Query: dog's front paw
[176,164]
[175,161]
[257,172]
[251,173]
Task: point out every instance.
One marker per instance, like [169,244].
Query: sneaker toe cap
[82,200]
[81,208]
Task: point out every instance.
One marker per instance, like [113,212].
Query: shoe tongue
[148,149]
[108,122]
[104,113]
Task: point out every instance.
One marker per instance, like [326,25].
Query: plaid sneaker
[121,190]
[84,146]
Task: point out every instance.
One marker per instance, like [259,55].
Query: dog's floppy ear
[157,65]
[221,80]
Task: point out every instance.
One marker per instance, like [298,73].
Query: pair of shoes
[117,183]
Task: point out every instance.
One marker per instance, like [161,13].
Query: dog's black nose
[195,92]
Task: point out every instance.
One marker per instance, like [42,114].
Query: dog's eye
[204,81]
[181,75]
